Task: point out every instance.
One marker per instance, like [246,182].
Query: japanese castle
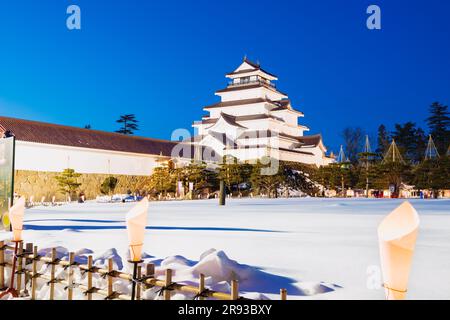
[254,120]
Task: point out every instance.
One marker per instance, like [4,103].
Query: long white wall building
[48,147]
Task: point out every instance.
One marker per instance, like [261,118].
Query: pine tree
[393,154]
[199,175]
[129,124]
[341,158]
[162,180]
[433,174]
[229,172]
[68,182]
[439,125]
[410,140]
[366,158]
[393,170]
[431,151]
[109,185]
[382,140]
[268,184]
[421,144]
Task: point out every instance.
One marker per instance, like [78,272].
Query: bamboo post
[149,272]
[168,281]
[89,276]
[2,266]
[234,289]
[201,286]
[19,268]
[110,277]
[70,276]
[28,250]
[138,287]
[34,278]
[283,294]
[52,274]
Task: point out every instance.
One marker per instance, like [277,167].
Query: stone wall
[39,184]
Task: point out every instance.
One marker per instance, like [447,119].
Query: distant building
[254,119]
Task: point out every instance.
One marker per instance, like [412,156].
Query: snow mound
[61,252]
[256,296]
[174,262]
[313,288]
[217,265]
[102,260]
[207,252]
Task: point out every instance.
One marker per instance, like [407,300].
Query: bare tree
[353,142]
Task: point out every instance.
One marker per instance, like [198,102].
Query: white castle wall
[52,158]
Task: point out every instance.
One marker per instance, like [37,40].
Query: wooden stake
[168,282]
[19,268]
[34,269]
[70,276]
[150,270]
[52,275]
[2,267]
[89,275]
[138,287]
[110,278]
[283,294]
[234,289]
[201,285]
[29,250]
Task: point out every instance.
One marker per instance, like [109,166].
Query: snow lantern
[16,213]
[136,220]
[397,235]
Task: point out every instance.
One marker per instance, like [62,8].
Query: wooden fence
[27,271]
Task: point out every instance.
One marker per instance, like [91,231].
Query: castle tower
[252,117]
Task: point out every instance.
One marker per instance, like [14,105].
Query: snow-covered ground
[315,248]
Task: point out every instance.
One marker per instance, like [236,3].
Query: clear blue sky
[163,60]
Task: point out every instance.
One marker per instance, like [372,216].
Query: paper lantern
[16,213]
[397,235]
[136,220]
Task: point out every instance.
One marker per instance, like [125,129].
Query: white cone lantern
[136,220]
[397,235]
[16,213]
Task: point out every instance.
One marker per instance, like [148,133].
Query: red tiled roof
[47,133]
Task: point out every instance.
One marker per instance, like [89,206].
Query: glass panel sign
[6,179]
